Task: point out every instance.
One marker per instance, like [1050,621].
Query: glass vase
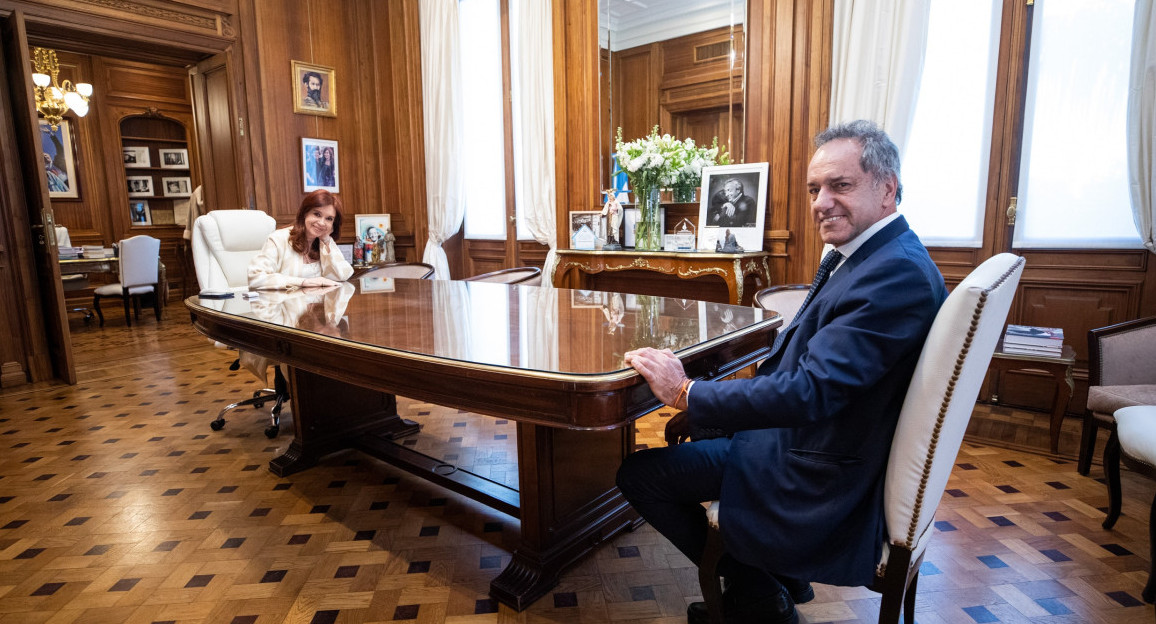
[648,229]
[684,194]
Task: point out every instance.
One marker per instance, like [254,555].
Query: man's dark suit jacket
[802,491]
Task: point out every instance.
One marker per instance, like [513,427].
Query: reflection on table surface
[579,332]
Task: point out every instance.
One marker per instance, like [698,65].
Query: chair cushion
[115,290]
[1126,357]
[1108,399]
[1136,427]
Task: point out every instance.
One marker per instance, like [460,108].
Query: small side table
[575,268]
[1060,368]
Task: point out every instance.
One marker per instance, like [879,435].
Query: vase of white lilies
[649,163]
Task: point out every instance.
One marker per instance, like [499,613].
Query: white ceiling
[630,23]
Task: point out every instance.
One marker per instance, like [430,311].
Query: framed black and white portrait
[139,186]
[176,187]
[136,157]
[174,158]
[734,203]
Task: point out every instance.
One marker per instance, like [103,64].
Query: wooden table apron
[573,430]
[572,265]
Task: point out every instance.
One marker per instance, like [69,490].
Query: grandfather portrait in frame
[314,90]
[734,201]
[59,160]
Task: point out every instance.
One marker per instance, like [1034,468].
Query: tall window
[484,159]
[1073,189]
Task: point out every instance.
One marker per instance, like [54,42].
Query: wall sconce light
[53,100]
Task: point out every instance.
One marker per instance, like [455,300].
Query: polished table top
[376,332]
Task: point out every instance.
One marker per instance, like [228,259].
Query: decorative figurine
[613,213]
[730,246]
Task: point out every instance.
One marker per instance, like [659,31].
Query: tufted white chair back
[224,241]
[941,397]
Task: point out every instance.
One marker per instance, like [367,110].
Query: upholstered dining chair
[408,270]
[784,299]
[531,276]
[140,258]
[224,241]
[1121,373]
[938,405]
[1134,442]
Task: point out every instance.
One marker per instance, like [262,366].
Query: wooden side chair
[531,276]
[935,413]
[140,260]
[1134,442]
[1121,373]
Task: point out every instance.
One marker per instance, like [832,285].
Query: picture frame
[173,158]
[139,186]
[314,89]
[177,187]
[319,165]
[139,212]
[734,200]
[591,218]
[369,230]
[376,284]
[58,152]
[587,298]
[136,157]
[630,219]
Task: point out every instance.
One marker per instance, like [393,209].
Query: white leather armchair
[939,403]
[224,241]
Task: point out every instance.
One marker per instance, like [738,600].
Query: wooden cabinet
[157,172]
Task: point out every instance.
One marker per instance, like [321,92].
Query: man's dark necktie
[825,267]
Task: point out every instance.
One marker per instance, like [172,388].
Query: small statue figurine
[358,251]
[613,212]
[731,244]
[389,252]
[614,312]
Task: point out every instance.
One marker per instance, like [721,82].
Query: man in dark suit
[796,455]
[730,207]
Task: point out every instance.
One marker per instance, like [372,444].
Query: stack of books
[92,251]
[1028,340]
[68,253]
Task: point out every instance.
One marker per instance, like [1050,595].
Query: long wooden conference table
[557,370]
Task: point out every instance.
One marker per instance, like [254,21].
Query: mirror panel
[677,64]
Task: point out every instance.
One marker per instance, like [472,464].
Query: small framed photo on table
[174,158]
[176,187]
[139,186]
[136,157]
[586,229]
[139,212]
[734,202]
[319,168]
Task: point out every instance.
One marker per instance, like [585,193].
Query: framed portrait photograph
[59,160]
[177,187]
[139,186]
[373,233]
[139,212]
[174,158]
[733,203]
[319,168]
[314,89]
[591,219]
[136,157]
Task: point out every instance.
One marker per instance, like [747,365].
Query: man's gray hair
[880,156]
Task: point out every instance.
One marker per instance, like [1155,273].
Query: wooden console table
[1059,367]
[574,268]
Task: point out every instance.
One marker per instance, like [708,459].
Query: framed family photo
[139,186]
[314,89]
[59,160]
[319,168]
[591,219]
[176,187]
[136,157]
[174,158]
[734,202]
[139,212]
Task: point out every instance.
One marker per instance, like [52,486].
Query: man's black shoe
[776,609]
[801,593]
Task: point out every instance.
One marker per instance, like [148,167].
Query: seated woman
[305,254]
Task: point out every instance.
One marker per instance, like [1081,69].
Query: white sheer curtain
[532,75]
[1142,123]
[442,100]
[878,58]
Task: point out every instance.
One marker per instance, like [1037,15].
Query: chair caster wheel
[217,425]
[271,431]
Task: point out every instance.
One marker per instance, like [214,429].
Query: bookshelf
[157,171]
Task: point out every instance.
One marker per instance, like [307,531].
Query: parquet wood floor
[118,504]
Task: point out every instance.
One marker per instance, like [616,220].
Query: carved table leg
[569,505]
[330,415]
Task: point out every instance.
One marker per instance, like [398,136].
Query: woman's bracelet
[682,399]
